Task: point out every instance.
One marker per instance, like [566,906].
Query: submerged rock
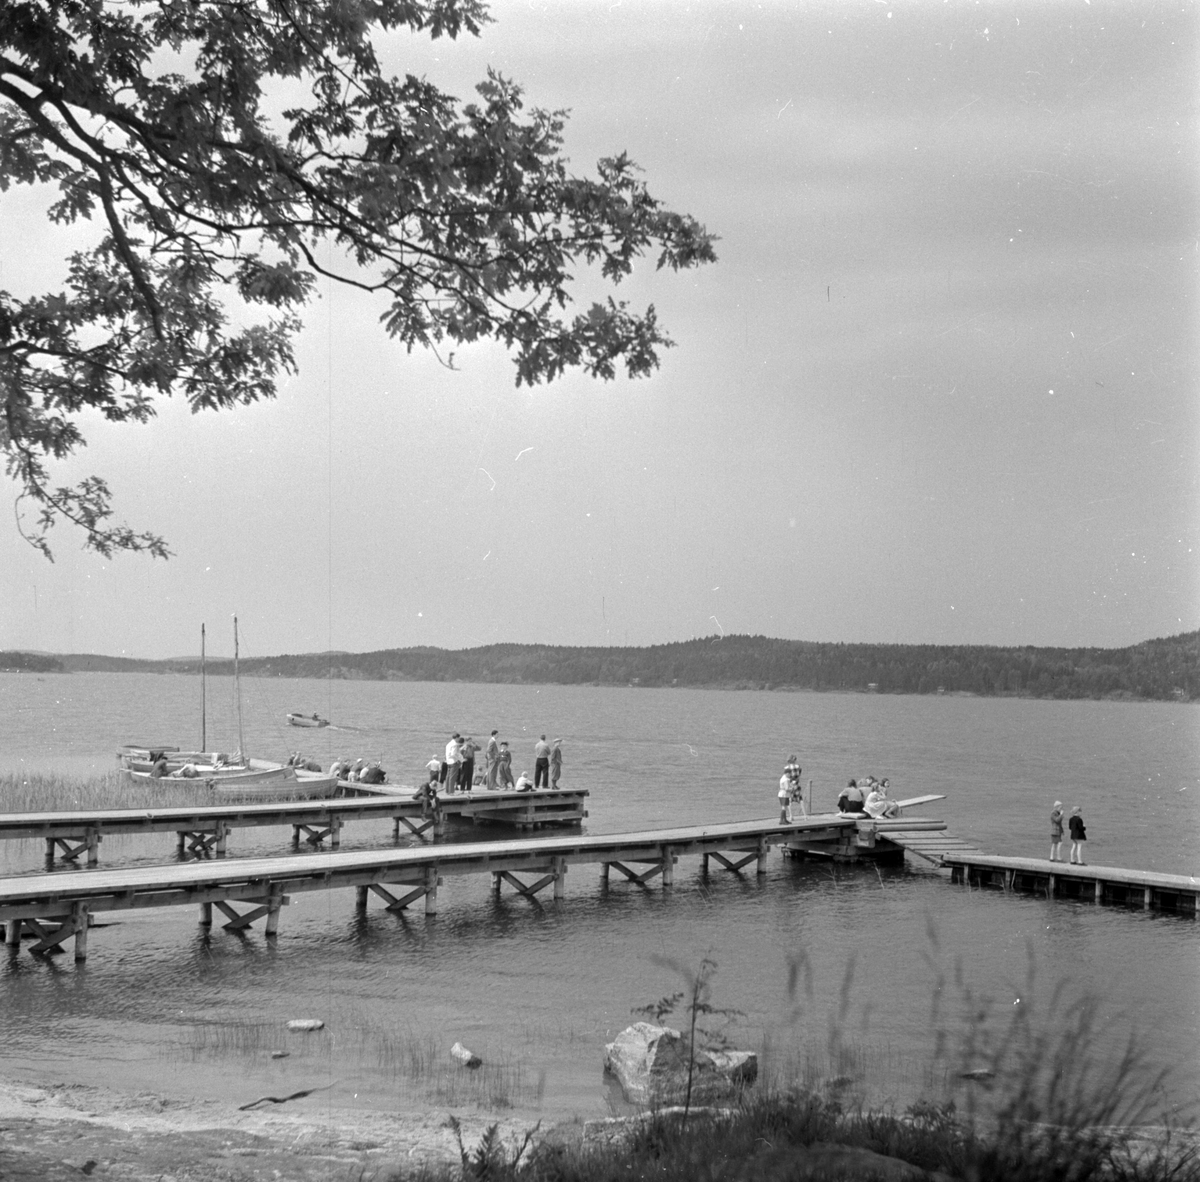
[651,1064]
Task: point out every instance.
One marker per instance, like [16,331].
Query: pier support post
[360,898]
[604,874]
[49,853]
[79,917]
[560,877]
[274,904]
[763,847]
[704,865]
[439,823]
[335,832]
[1147,898]
[668,867]
[206,915]
[93,848]
[222,836]
[1099,891]
[497,878]
[180,842]
[431,888]
[396,828]
[295,837]
[1051,885]
[12,933]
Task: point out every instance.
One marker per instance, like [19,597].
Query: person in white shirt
[450,766]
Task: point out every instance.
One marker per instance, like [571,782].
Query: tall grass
[36,792]
[417,1066]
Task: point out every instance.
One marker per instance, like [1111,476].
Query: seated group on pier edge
[867,796]
[359,772]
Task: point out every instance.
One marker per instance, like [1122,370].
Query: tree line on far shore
[1163,670]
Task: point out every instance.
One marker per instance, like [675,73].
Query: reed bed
[418,1066]
[37,792]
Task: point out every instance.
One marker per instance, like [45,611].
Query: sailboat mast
[203,696]
[237,689]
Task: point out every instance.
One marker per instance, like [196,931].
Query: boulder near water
[651,1064]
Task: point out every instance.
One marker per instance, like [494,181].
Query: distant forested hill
[1163,669]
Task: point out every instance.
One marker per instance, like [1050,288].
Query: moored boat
[295,719]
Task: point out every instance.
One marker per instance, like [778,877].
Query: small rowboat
[307,720]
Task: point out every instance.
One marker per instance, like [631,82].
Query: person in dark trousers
[1078,835]
[541,763]
[466,769]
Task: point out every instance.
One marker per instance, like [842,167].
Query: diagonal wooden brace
[417,829]
[397,904]
[633,875]
[71,847]
[529,890]
[731,865]
[53,936]
[269,906]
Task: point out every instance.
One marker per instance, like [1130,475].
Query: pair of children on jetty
[1078,834]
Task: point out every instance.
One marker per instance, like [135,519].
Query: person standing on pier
[785,798]
[491,760]
[1078,836]
[449,775]
[504,766]
[1056,832]
[541,763]
[556,763]
[466,772]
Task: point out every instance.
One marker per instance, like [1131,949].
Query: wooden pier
[55,907]
[1062,880]
[203,831]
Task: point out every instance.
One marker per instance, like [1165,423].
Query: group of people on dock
[358,771]
[456,771]
[1078,834]
[867,796]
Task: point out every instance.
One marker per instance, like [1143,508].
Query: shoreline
[58,1131]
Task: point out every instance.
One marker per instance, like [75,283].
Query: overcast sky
[941,386]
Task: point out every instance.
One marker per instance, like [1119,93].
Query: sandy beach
[56,1132]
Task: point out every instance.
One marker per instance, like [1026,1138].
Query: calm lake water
[886,959]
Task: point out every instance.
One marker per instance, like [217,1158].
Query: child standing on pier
[1078,835]
[1056,832]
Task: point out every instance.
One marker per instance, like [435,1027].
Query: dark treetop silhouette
[207,206]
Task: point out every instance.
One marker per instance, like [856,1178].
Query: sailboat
[222,773]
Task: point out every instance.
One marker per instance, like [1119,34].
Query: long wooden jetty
[56,907]
[1103,884]
[203,831]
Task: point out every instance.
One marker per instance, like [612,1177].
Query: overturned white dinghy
[651,1064]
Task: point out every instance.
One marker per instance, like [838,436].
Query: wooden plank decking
[56,907]
[1103,884]
[203,831]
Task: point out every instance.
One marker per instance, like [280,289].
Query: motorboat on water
[295,719]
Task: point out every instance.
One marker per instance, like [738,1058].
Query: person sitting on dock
[877,804]
[160,768]
[851,799]
[1078,835]
[373,773]
[1056,831]
[524,784]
